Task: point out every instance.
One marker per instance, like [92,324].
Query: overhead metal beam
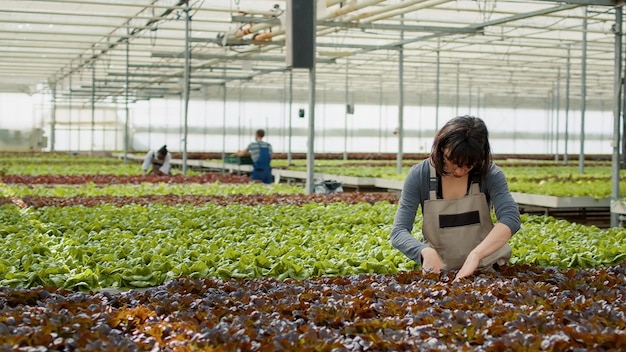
[394,27]
[235,57]
[356,24]
[589,2]
[156,75]
[479,26]
[119,41]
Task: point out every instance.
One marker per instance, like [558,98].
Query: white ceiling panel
[505,52]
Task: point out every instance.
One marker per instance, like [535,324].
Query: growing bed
[120,262]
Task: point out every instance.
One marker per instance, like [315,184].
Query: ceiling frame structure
[495,53]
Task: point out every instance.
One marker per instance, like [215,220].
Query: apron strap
[474,187]
[432,181]
[475,184]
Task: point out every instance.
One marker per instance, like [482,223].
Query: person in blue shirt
[261,154]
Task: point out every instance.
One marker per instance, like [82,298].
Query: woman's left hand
[469,267]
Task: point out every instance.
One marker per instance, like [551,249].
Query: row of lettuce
[86,248]
[539,178]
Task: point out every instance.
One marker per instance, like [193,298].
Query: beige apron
[454,227]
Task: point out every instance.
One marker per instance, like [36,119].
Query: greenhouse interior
[142,210]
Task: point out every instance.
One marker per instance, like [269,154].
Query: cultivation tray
[559,202]
[618,206]
[239,160]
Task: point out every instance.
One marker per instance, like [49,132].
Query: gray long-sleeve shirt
[416,190]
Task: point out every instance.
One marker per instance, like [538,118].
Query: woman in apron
[456,188]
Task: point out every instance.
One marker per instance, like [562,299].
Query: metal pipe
[622,163]
[186,79]
[478,102]
[402,8]
[350,7]
[345,126]
[290,116]
[558,111]
[567,102]
[397,9]
[458,82]
[617,74]
[549,107]
[399,157]
[53,117]
[224,97]
[126,88]
[310,155]
[69,113]
[93,104]
[583,98]
[239,117]
[437,92]
[469,97]
[380,113]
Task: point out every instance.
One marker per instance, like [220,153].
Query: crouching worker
[261,154]
[158,162]
[456,188]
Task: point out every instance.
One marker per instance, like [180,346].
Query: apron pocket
[455,243]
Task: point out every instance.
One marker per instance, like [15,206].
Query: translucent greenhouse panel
[23,140]
[81,130]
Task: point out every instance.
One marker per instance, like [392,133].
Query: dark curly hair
[467,139]
[163,150]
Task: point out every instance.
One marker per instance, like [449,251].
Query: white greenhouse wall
[215,127]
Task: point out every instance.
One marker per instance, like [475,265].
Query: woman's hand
[431,261]
[469,267]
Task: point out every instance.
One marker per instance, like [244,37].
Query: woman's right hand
[431,261]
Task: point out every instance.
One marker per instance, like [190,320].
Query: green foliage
[91,189]
[135,246]
[559,181]
[72,165]
[547,241]
[85,248]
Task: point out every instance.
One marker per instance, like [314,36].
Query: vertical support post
[458,83]
[399,157]
[93,104]
[126,88]
[224,96]
[380,113]
[478,102]
[437,88]
[469,97]
[550,121]
[290,116]
[239,117]
[617,111]
[583,98]
[567,102]
[558,112]
[186,87]
[53,117]
[69,112]
[310,154]
[345,123]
